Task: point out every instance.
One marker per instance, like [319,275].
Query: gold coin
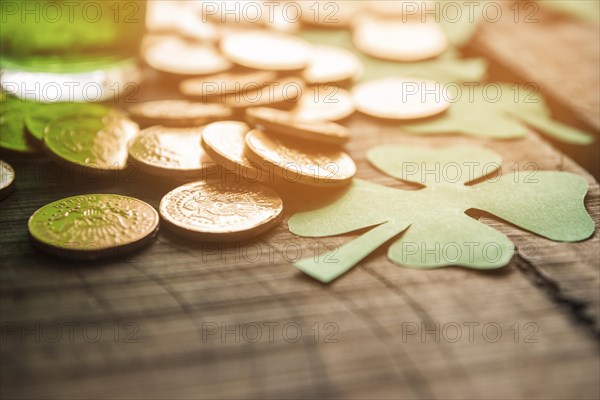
[172,152]
[324,103]
[176,56]
[93,226]
[7,178]
[177,113]
[266,50]
[226,83]
[332,64]
[225,142]
[400,98]
[295,162]
[221,211]
[91,141]
[279,122]
[284,92]
[398,40]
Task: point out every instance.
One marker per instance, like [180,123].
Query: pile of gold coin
[257,103]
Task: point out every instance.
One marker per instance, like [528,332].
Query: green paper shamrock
[436,232]
[446,68]
[499,111]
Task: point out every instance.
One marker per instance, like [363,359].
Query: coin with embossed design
[177,113]
[220,210]
[93,226]
[224,142]
[279,122]
[172,152]
[13,139]
[92,142]
[7,178]
[294,161]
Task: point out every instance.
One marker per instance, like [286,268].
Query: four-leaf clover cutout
[433,228]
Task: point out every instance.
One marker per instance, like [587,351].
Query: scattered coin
[13,139]
[7,178]
[398,40]
[266,50]
[226,83]
[400,98]
[220,211]
[285,92]
[172,152]
[296,162]
[176,56]
[225,143]
[332,64]
[93,226]
[279,122]
[37,119]
[324,103]
[91,142]
[177,113]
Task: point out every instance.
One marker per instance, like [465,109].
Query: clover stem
[332,265]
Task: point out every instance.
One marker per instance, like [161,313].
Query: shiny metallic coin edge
[230,165]
[156,170]
[279,172]
[219,236]
[86,167]
[289,129]
[96,254]
[6,190]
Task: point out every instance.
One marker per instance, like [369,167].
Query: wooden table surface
[197,320]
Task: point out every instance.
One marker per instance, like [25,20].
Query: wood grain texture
[178,320]
[174,292]
[559,55]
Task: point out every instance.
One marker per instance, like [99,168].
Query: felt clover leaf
[436,232]
[499,111]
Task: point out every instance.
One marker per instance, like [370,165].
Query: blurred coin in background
[398,40]
[400,98]
[266,50]
[331,64]
[285,123]
[177,113]
[324,103]
[174,55]
[226,83]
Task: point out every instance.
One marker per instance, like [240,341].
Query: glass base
[108,82]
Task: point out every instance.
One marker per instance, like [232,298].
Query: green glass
[69,36]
